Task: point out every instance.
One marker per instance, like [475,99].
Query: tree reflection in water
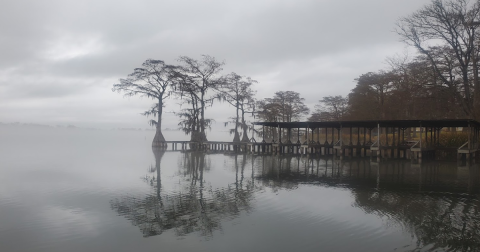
[442,212]
[194,208]
[437,203]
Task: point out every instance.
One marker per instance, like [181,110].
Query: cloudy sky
[59,59]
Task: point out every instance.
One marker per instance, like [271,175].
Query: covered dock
[381,138]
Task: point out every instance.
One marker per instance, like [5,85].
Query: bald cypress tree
[155,80]
[196,78]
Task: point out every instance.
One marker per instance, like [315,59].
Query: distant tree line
[441,81]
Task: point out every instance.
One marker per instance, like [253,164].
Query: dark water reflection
[435,204]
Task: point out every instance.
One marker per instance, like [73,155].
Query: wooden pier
[381,139]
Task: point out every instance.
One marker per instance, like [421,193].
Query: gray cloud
[60,49]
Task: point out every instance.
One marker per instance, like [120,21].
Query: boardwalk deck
[381,139]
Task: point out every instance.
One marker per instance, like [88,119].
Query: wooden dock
[381,139]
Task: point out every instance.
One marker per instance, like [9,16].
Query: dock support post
[364,142]
[263,133]
[358,149]
[318,135]
[393,153]
[340,136]
[421,135]
[469,137]
[350,137]
[289,135]
[298,136]
[379,152]
[306,135]
[326,136]
[279,134]
[333,137]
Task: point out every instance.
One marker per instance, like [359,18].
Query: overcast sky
[59,59]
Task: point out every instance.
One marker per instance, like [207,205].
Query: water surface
[81,190]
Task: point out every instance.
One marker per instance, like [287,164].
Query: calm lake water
[80,190]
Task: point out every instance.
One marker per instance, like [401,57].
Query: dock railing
[338,144]
[375,145]
[463,146]
[415,146]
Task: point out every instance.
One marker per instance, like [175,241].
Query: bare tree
[268,110]
[285,106]
[196,77]
[371,92]
[331,108]
[409,90]
[453,23]
[154,80]
[237,92]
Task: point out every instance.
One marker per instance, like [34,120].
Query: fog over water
[99,190]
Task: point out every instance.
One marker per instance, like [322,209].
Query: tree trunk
[236,138]
[202,136]
[197,136]
[476,89]
[244,126]
[159,140]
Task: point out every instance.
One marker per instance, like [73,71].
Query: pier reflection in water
[435,205]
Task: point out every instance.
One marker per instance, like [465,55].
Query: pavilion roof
[374,123]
